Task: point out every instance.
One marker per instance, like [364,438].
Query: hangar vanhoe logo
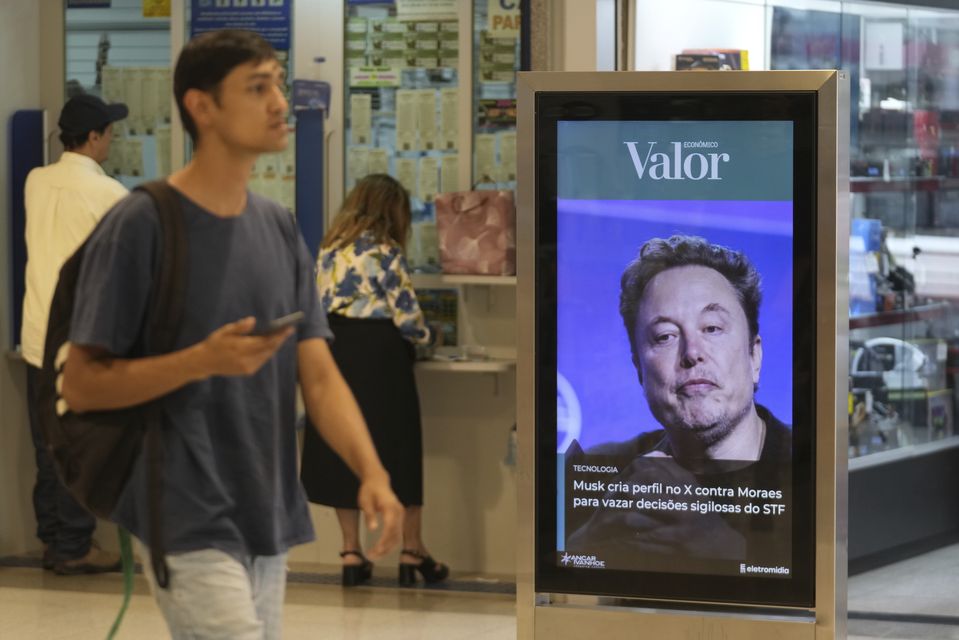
[582,561]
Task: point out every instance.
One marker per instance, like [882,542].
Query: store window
[904,166]
[274,174]
[902,61]
[431,100]
[405,73]
[496,31]
[120,51]
[402,71]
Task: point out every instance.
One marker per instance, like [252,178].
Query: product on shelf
[477,232]
[440,310]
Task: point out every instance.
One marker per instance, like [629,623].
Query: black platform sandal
[355,574]
[431,570]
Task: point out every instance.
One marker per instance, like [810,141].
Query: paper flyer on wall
[507,155]
[485,157]
[503,18]
[449,117]
[165,79]
[379,161]
[426,118]
[133,78]
[449,174]
[132,157]
[163,150]
[406,173]
[427,183]
[357,163]
[426,10]
[406,102]
[112,90]
[361,118]
[149,92]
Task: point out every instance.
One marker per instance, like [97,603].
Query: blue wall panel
[25,133]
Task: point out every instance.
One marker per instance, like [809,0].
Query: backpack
[94,452]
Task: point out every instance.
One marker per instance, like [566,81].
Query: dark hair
[73,141]
[208,58]
[658,255]
[378,204]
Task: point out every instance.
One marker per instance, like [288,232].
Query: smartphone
[278,324]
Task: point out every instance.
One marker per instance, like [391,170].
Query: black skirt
[377,364]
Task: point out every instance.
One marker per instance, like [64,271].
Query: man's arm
[94,380]
[332,408]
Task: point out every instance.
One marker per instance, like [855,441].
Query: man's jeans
[213,596]
[62,524]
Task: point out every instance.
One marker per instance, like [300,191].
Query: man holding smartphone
[233,505]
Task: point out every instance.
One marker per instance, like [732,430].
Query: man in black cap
[64,201]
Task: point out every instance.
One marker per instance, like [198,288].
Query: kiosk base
[573,622]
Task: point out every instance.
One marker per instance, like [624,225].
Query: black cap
[87,112]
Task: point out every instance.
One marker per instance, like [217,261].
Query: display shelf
[865,184]
[878,458]
[438,280]
[467,366]
[507,281]
[891,318]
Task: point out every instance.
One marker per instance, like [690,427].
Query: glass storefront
[902,61]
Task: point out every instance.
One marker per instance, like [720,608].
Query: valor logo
[677,166]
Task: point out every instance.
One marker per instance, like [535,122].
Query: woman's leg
[415,556]
[413,534]
[350,527]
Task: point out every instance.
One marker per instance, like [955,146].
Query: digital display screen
[682,433]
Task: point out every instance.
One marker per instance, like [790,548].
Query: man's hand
[232,351]
[376,499]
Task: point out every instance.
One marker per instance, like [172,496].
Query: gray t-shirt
[230,478]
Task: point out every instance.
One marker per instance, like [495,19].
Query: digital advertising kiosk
[682,379]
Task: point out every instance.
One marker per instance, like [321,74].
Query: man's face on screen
[697,363]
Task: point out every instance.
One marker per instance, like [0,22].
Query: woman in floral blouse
[368,295]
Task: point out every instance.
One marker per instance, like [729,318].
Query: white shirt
[64,201]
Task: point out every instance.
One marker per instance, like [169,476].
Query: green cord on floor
[126,554]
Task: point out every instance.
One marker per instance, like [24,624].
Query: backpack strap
[164,316]
[291,231]
[166,308]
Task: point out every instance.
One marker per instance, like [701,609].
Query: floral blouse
[369,280]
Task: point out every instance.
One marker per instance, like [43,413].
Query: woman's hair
[377,204]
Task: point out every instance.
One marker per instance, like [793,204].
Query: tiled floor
[36,605]
[927,584]
[924,586]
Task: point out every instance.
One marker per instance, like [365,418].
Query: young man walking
[233,504]
[64,202]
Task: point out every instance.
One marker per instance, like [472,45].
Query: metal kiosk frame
[542,613]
